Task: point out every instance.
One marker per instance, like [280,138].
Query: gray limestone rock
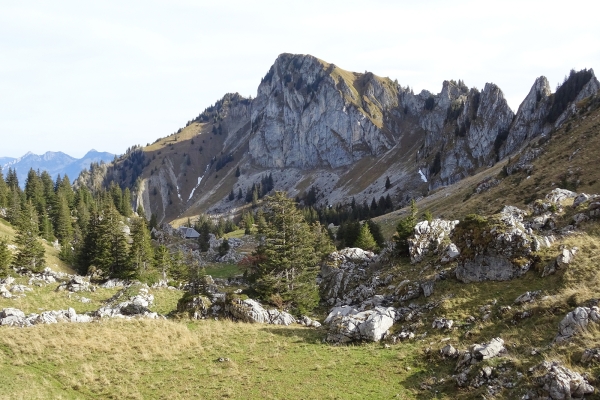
[432,237]
[347,324]
[561,383]
[575,321]
[249,310]
[488,350]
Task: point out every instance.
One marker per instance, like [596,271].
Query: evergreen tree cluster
[284,267]
[259,190]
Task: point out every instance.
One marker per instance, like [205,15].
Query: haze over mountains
[55,162]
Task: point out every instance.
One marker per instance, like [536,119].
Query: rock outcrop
[496,248]
[576,321]
[433,237]
[347,324]
[561,383]
[248,310]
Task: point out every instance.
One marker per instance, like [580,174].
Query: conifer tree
[5,257]
[3,191]
[141,254]
[30,252]
[126,209]
[287,266]
[365,239]
[179,270]
[405,229]
[162,260]
[111,253]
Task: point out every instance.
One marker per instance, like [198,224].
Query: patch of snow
[423,178]
[199,181]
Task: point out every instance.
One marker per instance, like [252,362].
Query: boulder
[343,279]
[560,383]
[497,248]
[306,321]
[488,350]
[576,321]
[442,323]
[448,351]
[371,325]
[197,307]
[559,195]
[252,311]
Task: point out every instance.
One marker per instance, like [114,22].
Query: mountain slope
[315,125]
[56,163]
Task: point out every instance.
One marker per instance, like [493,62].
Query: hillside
[442,319]
[316,126]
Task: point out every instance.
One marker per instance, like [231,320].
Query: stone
[566,257]
[8,312]
[429,237]
[442,323]
[448,351]
[527,297]
[576,321]
[590,355]
[249,310]
[371,325]
[427,288]
[306,321]
[488,350]
[559,195]
[560,383]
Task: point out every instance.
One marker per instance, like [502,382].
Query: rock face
[347,324]
[17,318]
[497,248]
[342,277]
[304,117]
[312,122]
[433,237]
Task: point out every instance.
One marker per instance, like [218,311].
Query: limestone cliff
[313,124]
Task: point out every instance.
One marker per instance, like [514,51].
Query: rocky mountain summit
[315,125]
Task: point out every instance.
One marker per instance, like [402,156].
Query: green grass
[224,271]
[165,359]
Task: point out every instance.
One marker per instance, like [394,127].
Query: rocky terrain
[315,125]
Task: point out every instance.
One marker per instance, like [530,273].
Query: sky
[77,75]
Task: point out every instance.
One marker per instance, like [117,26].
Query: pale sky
[77,75]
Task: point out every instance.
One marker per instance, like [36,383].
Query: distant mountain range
[55,162]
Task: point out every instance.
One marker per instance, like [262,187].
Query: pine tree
[179,269]
[231,195]
[365,239]
[141,254]
[162,260]
[3,191]
[405,229]
[30,252]
[288,261]
[126,209]
[388,184]
[237,172]
[111,253]
[5,257]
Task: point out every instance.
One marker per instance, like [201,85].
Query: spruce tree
[162,261]
[405,229]
[3,191]
[111,253]
[141,254]
[287,266]
[126,209]
[30,252]
[5,257]
[365,239]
